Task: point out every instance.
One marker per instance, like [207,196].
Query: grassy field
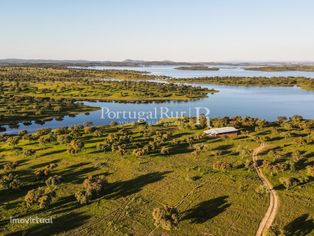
[14,109]
[81,84]
[211,181]
[296,210]
[126,91]
[32,93]
[60,73]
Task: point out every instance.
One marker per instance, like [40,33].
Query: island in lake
[201,67]
[308,68]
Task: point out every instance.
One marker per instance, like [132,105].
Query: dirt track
[272,210]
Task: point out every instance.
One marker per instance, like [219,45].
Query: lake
[262,102]
[224,71]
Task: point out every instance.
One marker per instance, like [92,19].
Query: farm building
[224,131]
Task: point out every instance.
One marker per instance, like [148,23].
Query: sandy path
[272,210]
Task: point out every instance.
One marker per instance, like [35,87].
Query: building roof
[222,130]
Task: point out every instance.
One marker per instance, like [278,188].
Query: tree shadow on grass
[309,155]
[8,195]
[279,187]
[206,210]
[128,187]
[45,164]
[114,191]
[301,226]
[96,151]
[276,138]
[180,135]
[53,152]
[62,224]
[21,162]
[74,175]
[89,140]
[64,204]
[180,149]
[224,147]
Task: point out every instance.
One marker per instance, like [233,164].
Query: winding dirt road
[272,210]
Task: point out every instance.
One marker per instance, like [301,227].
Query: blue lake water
[224,71]
[262,102]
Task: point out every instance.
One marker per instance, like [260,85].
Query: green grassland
[14,109]
[42,73]
[127,91]
[84,84]
[32,93]
[296,203]
[211,181]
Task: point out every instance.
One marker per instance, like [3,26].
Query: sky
[179,30]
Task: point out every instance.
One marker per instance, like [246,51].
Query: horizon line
[159,60]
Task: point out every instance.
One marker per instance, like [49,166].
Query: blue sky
[181,30]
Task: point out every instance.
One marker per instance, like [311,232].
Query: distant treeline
[35,72]
[309,68]
[302,82]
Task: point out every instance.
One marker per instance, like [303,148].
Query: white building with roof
[224,131]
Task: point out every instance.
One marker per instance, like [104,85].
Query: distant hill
[130,62]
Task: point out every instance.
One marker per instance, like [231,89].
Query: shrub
[121,150]
[28,152]
[41,196]
[93,186]
[222,166]
[104,147]
[249,164]
[114,123]
[83,197]
[10,181]
[13,141]
[199,147]
[164,150]
[9,166]
[166,217]
[53,180]
[75,146]
[63,139]
[138,152]
[98,133]
[310,171]
[43,173]
[99,165]
[275,231]
[196,153]
[43,131]
[261,189]
[288,182]
[296,156]
[22,133]
[89,130]
[47,139]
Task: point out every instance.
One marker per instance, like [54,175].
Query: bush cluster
[41,196]
[93,186]
[43,173]
[10,181]
[166,217]
[222,166]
